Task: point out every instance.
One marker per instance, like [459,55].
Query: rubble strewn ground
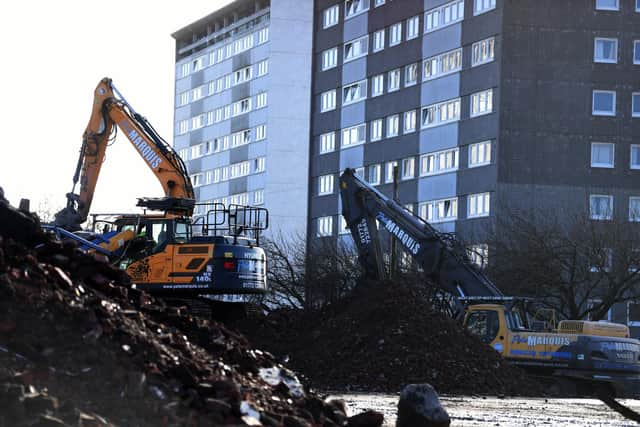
[382,338]
[79,348]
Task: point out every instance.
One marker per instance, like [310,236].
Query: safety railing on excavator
[216,219]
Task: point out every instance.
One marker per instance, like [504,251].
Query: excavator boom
[363,206]
[110,109]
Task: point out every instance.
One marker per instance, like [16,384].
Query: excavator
[581,357]
[213,257]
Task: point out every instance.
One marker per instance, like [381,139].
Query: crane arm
[363,206]
[110,109]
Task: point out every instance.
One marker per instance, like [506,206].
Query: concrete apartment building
[242,104]
[481,104]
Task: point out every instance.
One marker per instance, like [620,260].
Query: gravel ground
[491,411]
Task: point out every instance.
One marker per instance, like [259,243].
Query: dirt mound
[383,338]
[77,347]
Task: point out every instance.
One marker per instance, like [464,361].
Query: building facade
[481,104]
[242,104]
[484,106]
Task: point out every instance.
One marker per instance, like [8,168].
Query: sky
[55,53]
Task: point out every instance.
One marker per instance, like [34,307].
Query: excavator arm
[110,109]
[363,207]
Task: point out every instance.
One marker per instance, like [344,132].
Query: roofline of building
[203,22]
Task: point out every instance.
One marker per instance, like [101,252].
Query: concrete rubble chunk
[419,406]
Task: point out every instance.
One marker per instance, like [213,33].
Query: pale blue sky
[54,54]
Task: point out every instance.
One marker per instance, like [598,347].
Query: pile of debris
[382,338]
[77,347]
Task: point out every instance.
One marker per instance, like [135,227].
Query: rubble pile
[382,338]
[79,348]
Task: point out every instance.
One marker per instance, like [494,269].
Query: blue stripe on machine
[523,353]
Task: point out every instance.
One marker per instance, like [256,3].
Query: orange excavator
[166,252]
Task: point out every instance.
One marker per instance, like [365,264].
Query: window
[327,142]
[444,112]
[184,69]
[444,15]
[220,144]
[354,92]
[483,51]
[600,207]
[261,132]
[183,127]
[410,121]
[482,6]
[602,155]
[635,157]
[478,205]
[359,172]
[377,3]
[197,179]
[395,34]
[439,162]
[325,226]
[482,103]
[601,261]
[354,135]
[377,85]
[637,5]
[393,125]
[446,63]
[439,210]
[636,51]
[263,67]
[389,171]
[259,164]
[241,107]
[378,40]
[410,75]
[607,5]
[196,151]
[374,174]
[413,27]
[261,100]
[329,58]
[325,185]
[328,100]
[635,104]
[479,254]
[258,197]
[633,312]
[198,63]
[331,16]
[354,7]
[242,75]
[408,167]
[479,154]
[263,35]
[634,209]
[376,130]
[198,121]
[183,98]
[604,103]
[241,138]
[605,50]
[393,80]
[356,48]
[344,228]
